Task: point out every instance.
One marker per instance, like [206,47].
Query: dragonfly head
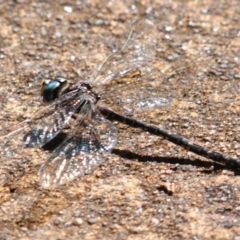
[52,89]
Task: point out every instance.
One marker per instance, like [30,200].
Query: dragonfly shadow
[72,147]
[174,160]
[55,142]
[209,167]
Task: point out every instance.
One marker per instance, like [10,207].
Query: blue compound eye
[52,89]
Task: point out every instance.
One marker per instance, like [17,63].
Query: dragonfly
[135,77]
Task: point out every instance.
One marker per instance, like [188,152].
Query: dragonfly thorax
[86,90]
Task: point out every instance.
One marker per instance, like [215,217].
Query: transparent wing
[146,70]
[135,48]
[81,151]
[159,88]
[45,124]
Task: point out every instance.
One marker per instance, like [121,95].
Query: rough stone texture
[149,188]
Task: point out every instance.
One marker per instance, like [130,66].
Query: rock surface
[148,188]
